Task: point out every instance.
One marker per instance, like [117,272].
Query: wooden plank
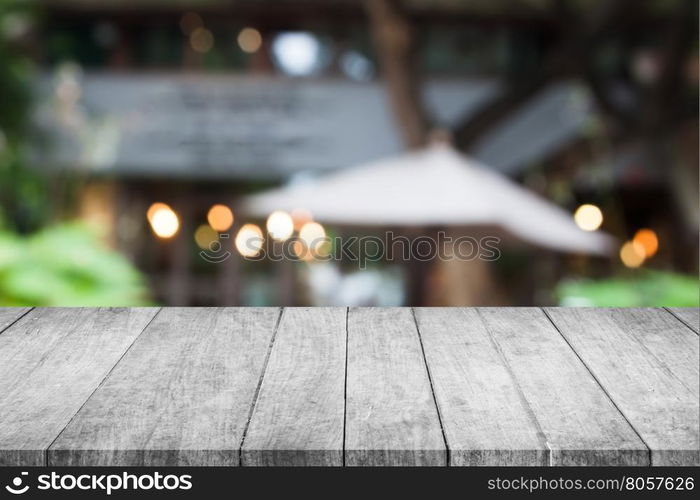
[298,418]
[9,315]
[485,418]
[664,337]
[648,363]
[391,418]
[580,422]
[688,315]
[51,360]
[181,396]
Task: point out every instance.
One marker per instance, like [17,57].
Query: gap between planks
[432,388]
[425,361]
[597,381]
[347,314]
[46,451]
[257,388]
[11,323]
[516,383]
[675,315]
[345,388]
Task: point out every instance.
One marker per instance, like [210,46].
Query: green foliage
[23,197]
[65,265]
[644,289]
[14,71]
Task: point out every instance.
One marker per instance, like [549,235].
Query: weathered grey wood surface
[688,315]
[328,386]
[647,362]
[9,315]
[391,416]
[579,421]
[51,361]
[298,417]
[485,418]
[180,396]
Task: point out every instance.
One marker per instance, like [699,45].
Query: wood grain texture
[181,396]
[9,315]
[688,315]
[580,422]
[484,416]
[648,362]
[189,386]
[51,360]
[298,417]
[391,418]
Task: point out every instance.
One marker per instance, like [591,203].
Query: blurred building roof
[236,127]
[541,127]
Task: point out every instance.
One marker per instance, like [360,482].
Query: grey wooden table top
[359,386]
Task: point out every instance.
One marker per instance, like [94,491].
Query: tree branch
[570,57]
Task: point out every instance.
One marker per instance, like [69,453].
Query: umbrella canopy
[436,186]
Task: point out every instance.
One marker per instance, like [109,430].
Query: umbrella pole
[417,282]
[419,270]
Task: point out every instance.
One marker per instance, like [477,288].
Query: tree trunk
[394,41]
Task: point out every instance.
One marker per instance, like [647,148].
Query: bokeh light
[356,66]
[647,239]
[302,251]
[201,40]
[164,221]
[190,22]
[204,236]
[297,53]
[632,254]
[312,235]
[280,225]
[220,218]
[249,40]
[588,217]
[301,216]
[249,240]
[154,208]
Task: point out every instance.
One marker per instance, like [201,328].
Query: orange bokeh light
[647,239]
[220,218]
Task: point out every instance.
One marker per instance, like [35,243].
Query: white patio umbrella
[435,187]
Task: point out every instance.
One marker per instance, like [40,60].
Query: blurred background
[144,142]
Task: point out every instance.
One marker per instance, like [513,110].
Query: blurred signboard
[218,127]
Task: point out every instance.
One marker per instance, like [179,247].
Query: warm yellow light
[588,217]
[249,240]
[204,236]
[632,254]
[190,22]
[280,225]
[220,218]
[249,40]
[647,239]
[201,40]
[154,208]
[301,216]
[312,235]
[164,221]
[302,251]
